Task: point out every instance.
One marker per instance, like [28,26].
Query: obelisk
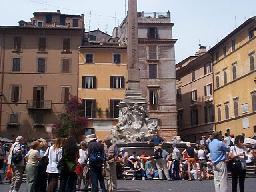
[133,90]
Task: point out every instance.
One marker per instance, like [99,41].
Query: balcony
[207,98]
[40,104]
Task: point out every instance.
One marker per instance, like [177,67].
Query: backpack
[96,157]
[158,153]
[16,157]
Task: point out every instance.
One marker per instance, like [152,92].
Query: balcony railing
[40,104]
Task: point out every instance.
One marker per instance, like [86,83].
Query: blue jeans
[175,173]
[96,175]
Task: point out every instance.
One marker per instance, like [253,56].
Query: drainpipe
[2,56]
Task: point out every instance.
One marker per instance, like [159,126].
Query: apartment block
[235,80]
[102,83]
[195,96]
[157,67]
[39,71]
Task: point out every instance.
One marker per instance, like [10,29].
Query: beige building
[102,83]
[157,67]
[195,96]
[39,70]
[235,80]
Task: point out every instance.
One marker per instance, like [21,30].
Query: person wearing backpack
[16,160]
[96,157]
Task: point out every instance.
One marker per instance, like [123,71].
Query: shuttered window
[117,82]
[152,70]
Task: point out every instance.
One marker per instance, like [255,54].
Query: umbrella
[249,141]
[5,140]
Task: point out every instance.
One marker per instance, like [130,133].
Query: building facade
[195,96]
[102,83]
[234,80]
[39,71]
[157,67]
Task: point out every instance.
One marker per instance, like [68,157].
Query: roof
[40,28]
[248,21]
[54,13]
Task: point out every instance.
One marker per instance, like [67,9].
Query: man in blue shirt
[218,154]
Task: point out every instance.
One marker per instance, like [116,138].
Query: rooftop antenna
[125,8]
[90,16]
[235,21]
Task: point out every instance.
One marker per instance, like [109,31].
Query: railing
[40,104]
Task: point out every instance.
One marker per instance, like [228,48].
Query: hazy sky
[195,21]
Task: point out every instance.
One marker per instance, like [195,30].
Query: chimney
[201,51]
[58,11]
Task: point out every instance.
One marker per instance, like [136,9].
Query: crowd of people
[65,166]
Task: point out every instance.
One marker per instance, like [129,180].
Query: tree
[72,122]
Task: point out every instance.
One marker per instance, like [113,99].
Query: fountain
[134,124]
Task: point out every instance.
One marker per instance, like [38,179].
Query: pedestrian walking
[96,156]
[54,154]
[176,156]
[41,178]
[82,168]
[237,156]
[32,158]
[161,163]
[16,160]
[111,156]
[218,151]
[70,155]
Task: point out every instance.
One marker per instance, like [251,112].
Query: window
[194,116]
[17,44]
[65,93]
[15,64]
[15,93]
[48,18]
[217,79]
[233,45]
[253,94]
[90,108]
[152,71]
[193,75]
[179,95]
[217,56]
[226,110]
[153,99]
[245,108]
[180,118]
[251,33]
[252,61]
[207,68]
[88,58]
[117,58]
[208,90]
[66,45]
[42,44]
[39,23]
[194,95]
[89,82]
[75,22]
[236,112]
[152,33]
[92,37]
[225,77]
[65,65]
[224,51]
[152,52]
[234,71]
[209,113]
[41,65]
[114,110]
[13,118]
[219,113]
[116,82]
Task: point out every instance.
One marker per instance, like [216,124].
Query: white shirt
[82,156]
[201,154]
[54,156]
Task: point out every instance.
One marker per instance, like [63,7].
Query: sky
[196,22]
